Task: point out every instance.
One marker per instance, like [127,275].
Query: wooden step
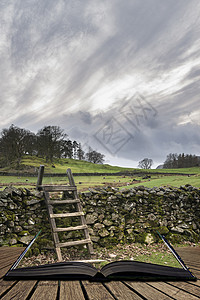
[70,228]
[64,201]
[56,188]
[75,214]
[74,243]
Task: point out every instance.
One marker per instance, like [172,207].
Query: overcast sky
[120,76]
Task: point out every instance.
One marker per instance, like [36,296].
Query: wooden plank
[196,283]
[7,261]
[63,201]
[121,291]
[71,290]
[172,291]
[96,291]
[57,188]
[189,253]
[195,272]
[188,287]
[70,228]
[45,290]
[4,270]
[193,264]
[9,256]
[5,285]
[147,291]
[21,290]
[74,243]
[65,215]
[14,251]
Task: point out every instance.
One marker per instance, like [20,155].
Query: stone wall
[22,215]
[134,215]
[113,216]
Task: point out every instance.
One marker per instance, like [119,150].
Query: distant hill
[30,164]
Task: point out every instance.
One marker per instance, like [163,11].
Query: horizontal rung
[71,228]
[63,201]
[73,243]
[75,214]
[56,188]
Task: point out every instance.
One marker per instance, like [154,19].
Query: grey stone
[31,221]
[161,193]
[95,238]
[91,218]
[11,224]
[103,232]
[149,238]
[26,239]
[177,229]
[12,241]
[99,226]
[151,217]
[17,229]
[33,201]
[107,222]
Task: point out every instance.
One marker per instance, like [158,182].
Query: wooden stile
[79,212]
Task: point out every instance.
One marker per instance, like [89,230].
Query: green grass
[82,182]
[31,164]
[194,170]
[77,166]
[158,258]
[173,180]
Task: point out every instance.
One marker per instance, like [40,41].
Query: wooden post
[40,176]
[70,177]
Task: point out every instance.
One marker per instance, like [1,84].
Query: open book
[118,270]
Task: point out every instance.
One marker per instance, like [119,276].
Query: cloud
[75,64]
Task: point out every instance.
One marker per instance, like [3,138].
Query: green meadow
[30,164]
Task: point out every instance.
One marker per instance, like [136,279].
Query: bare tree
[146,163]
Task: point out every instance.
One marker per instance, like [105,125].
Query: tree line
[174,161]
[50,142]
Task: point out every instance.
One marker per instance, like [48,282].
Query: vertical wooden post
[40,176]
[70,177]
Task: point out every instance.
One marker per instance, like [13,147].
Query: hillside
[30,164]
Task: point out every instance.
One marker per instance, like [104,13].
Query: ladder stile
[79,207]
[47,189]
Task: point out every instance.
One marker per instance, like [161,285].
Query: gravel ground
[118,252]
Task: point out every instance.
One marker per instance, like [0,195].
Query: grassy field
[172,180]
[84,182]
[31,164]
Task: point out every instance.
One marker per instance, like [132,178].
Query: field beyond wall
[129,177]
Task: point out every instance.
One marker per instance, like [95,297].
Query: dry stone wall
[113,216]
